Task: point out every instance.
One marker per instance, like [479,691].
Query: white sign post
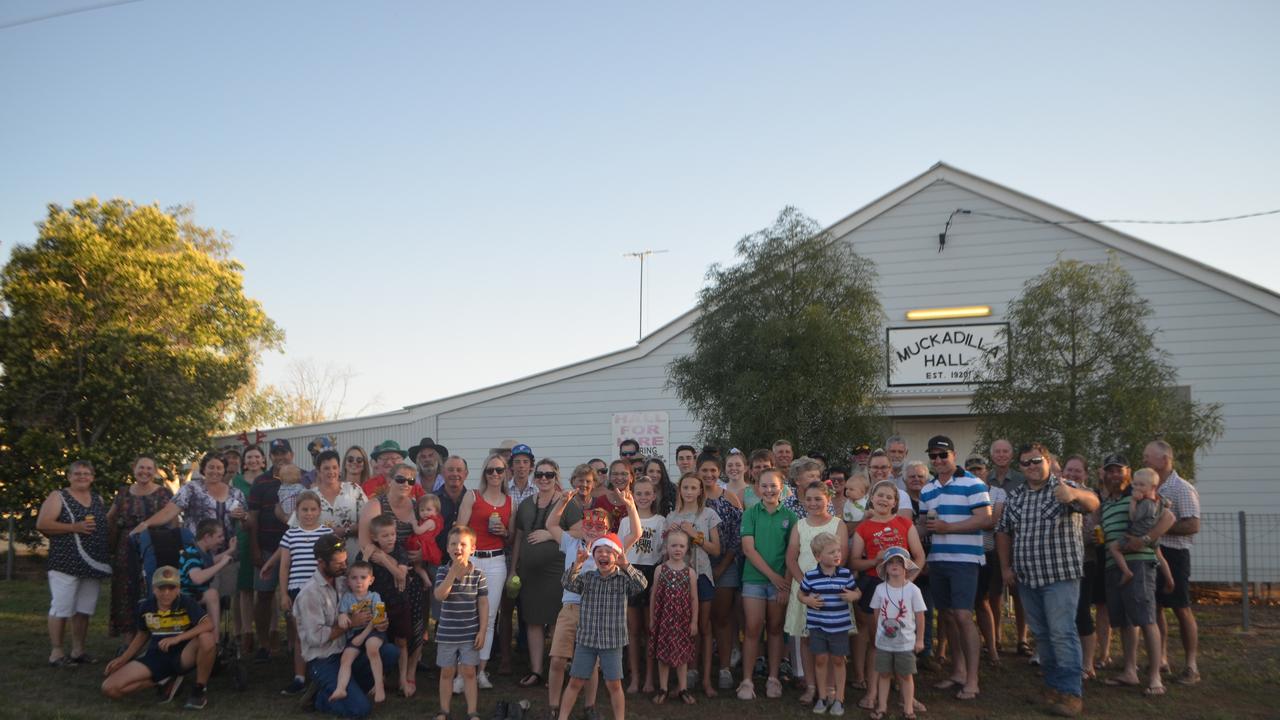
[650,428]
[944,354]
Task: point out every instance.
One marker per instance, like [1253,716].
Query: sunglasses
[544,476]
[403,480]
[494,470]
[355,459]
[939,456]
[628,453]
[1032,461]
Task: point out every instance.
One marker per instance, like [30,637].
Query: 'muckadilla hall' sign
[942,355]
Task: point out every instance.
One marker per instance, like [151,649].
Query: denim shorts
[449,654]
[706,591]
[584,661]
[732,576]
[954,584]
[760,591]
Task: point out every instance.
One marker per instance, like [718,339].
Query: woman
[735,469]
[78,560]
[1076,469]
[800,560]
[355,466]
[209,497]
[488,512]
[133,504]
[667,496]
[539,565]
[252,463]
[397,502]
[726,573]
[986,604]
[340,502]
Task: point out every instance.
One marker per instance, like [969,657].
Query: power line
[64,13]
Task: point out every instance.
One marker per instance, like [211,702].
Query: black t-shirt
[449,514]
[263,497]
[184,615]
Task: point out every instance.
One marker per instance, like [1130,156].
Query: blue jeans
[1051,615]
[324,673]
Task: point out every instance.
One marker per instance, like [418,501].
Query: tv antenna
[642,254]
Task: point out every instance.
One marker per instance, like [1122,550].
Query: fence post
[1244,573]
[8,556]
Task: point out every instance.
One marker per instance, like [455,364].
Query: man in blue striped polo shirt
[958,509]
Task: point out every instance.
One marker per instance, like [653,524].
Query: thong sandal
[687,697]
[533,679]
[660,696]
[1153,690]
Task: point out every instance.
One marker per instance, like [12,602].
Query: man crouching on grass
[181,637]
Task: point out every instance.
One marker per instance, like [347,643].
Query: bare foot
[338,694]
[379,695]
[632,689]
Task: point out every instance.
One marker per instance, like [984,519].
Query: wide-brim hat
[896,552]
[386,446]
[427,443]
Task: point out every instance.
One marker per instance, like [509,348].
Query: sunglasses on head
[404,480]
[495,470]
[544,475]
[939,455]
[1032,461]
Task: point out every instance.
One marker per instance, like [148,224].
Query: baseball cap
[166,576]
[319,445]
[522,449]
[1115,459]
[280,445]
[861,448]
[941,442]
[976,461]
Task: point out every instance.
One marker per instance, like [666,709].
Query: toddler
[855,497]
[430,524]
[899,608]
[360,598]
[1145,508]
[673,616]
[290,478]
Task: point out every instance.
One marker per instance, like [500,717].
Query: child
[827,591]
[855,494]
[199,566]
[391,584]
[702,524]
[673,617]
[297,563]
[766,582]
[602,624]
[359,597]
[430,524]
[644,556]
[463,593]
[1145,508]
[899,607]
[290,477]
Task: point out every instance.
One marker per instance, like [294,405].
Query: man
[520,487]
[1004,475]
[960,509]
[629,450]
[179,637]
[1131,606]
[686,459]
[860,457]
[880,469]
[1176,545]
[428,455]
[265,530]
[783,454]
[1041,552]
[386,455]
[760,460]
[452,494]
[896,447]
[322,638]
[318,444]
[602,469]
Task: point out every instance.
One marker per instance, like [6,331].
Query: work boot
[1068,706]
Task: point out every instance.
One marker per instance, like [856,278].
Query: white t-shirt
[569,546]
[898,608]
[853,512]
[647,549]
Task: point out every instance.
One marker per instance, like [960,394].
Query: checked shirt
[1048,546]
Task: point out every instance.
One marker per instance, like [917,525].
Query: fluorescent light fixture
[951,313]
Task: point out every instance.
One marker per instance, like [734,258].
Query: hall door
[963,431]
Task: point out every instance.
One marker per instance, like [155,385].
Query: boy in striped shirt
[827,591]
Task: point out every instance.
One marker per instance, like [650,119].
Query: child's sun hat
[896,552]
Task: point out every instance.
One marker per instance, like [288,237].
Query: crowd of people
[739,573]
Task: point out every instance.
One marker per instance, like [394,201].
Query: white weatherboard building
[1222,334]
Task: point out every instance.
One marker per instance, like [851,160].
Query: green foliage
[1086,373]
[788,344]
[126,330]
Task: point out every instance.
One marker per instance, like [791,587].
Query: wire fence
[1242,551]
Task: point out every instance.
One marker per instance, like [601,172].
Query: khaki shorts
[566,635]
[900,664]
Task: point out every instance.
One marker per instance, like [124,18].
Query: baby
[855,494]
[290,478]
[425,534]
[1145,509]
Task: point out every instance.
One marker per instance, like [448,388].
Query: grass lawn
[1241,671]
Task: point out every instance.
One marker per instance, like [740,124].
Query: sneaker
[262,657]
[735,658]
[726,678]
[589,713]
[1035,658]
[761,669]
[197,700]
[747,690]
[835,708]
[773,688]
[457,684]
[500,710]
[819,707]
[784,669]
[168,689]
[482,679]
[295,687]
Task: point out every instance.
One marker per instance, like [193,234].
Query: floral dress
[672,613]
[728,529]
[126,567]
[197,504]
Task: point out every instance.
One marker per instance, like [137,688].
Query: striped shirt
[955,502]
[1047,542]
[1115,524]
[191,557]
[460,611]
[1185,504]
[301,545]
[834,615]
[602,623]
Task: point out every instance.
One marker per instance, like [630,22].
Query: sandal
[1120,682]
[60,662]
[877,715]
[1024,648]
[1153,690]
[948,684]
[442,716]
[660,697]
[687,697]
[533,679]
[87,659]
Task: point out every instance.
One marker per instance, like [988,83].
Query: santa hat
[610,541]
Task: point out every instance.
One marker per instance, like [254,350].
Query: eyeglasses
[939,456]
[544,476]
[495,470]
[403,480]
[355,460]
[1032,461]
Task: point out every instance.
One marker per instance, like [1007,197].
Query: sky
[439,196]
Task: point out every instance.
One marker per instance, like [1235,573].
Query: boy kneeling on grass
[602,623]
[179,636]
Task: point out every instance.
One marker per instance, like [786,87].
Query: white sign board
[650,428]
[943,354]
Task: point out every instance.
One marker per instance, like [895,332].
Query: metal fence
[1239,549]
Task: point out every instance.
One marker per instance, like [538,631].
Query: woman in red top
[880,529]
[490,514]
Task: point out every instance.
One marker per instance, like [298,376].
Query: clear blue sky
[439,194]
